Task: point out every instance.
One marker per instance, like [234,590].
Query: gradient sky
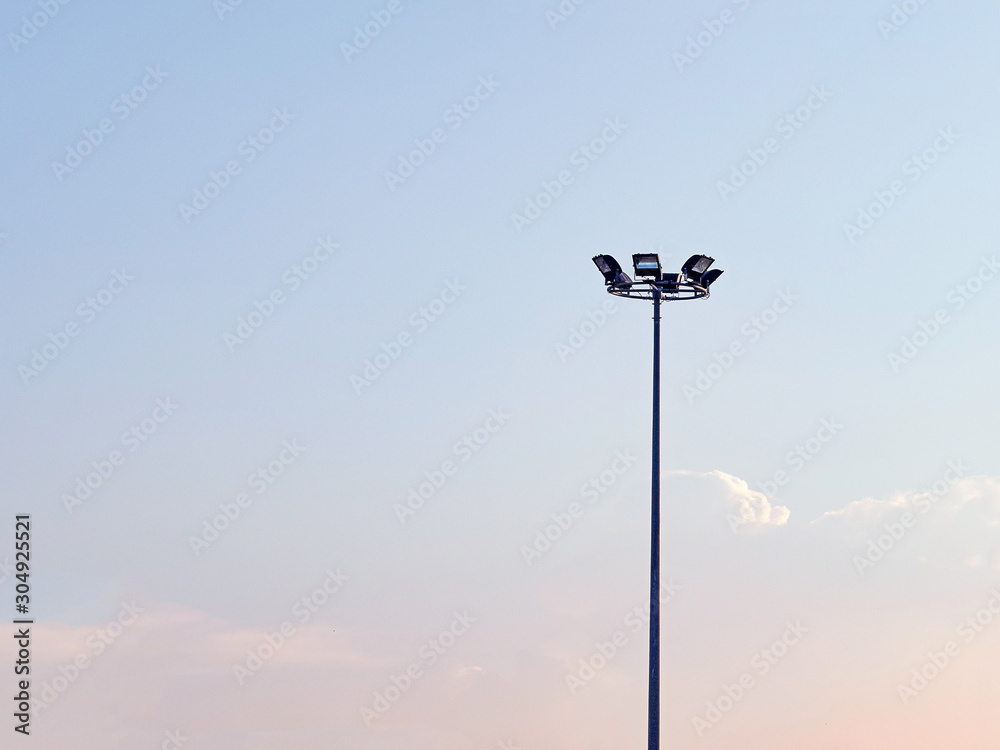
[817,308]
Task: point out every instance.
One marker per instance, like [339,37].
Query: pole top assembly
[693,282]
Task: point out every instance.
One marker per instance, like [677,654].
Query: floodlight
[611,269]
[710,277]
[647,264]
[696,265]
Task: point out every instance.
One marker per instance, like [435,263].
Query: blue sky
[536,89]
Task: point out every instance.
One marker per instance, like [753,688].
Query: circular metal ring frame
[670,291]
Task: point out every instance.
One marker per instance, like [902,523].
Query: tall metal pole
[651,283]
[654,556]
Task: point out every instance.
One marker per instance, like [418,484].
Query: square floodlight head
[696,265]
[647,265]
[609,267]
[709,278]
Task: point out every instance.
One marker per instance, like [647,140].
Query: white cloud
[978,495]
[753,508]
[746,510]
[954,527]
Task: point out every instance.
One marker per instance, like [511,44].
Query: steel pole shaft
[654,556]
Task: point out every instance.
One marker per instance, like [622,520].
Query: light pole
[692,282]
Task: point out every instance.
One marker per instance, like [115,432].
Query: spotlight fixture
[612,270]
[695,266]
[647,265]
